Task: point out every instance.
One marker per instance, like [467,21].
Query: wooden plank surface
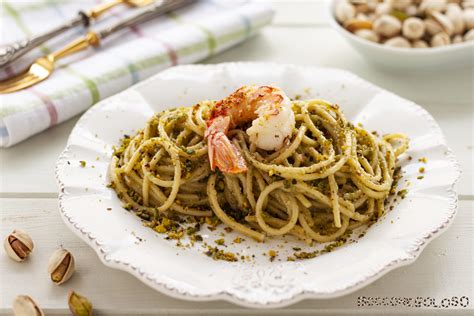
[444,269]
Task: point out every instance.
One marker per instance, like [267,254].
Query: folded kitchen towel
[185,36]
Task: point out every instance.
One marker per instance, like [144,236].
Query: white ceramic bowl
[424,59]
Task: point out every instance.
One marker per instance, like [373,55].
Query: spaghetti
[328,177]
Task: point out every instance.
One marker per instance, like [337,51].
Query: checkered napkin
[185,36]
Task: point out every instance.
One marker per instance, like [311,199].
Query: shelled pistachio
[61,266]
[18,245]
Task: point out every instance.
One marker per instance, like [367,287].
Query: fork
[17,49]
[43,67]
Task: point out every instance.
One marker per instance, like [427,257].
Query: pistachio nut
[468,4]
[413,28]
[469,36]
[398,41]
[440,39]
[18,245]
[400,4]
[455,14]
[409,23]
[79,305]
[361,7]
[468,15]
[362,16]
[428,6]
[387,25]
[344,11]
[61,266]
[383,8]
[457,39]
[368,35]
[420,44]
[412,10]
[432,26]
[445,23]
[23,305]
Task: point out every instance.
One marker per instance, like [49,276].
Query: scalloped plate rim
[412,254]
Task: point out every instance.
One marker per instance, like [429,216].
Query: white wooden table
[299,34]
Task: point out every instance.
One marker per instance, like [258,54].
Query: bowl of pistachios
[408,34]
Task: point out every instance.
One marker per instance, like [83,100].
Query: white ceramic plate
[94,213]
[406,60]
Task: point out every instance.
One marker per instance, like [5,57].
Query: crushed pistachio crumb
[272,254]
[219,254]
[402,193]
[82,163]
[220,241]
[238,240]
[306,255]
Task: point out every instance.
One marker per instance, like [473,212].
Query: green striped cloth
[185,36]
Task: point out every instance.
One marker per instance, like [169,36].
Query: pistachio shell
[368,35]
[468,4]
[445,23]
[440,39]
[455,15]
[387,25]
[362,8]
[457,39]
[61,266]
[400,4]
[420,44]
[383,8]
[23,305]
[412,10]
[432,26]
[362,16]
[468,15]
[469,36]
[372,4]
[398,42]
[413,28]
[344,11]
[18,245]
[428,6]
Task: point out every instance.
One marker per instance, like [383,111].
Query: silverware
[17,49]
[44,66]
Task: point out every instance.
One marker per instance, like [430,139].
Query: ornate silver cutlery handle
[17,49]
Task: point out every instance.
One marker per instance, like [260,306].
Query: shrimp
[272,118]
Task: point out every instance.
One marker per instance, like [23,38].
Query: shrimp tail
[222,153]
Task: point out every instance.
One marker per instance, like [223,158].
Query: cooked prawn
[272,118]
